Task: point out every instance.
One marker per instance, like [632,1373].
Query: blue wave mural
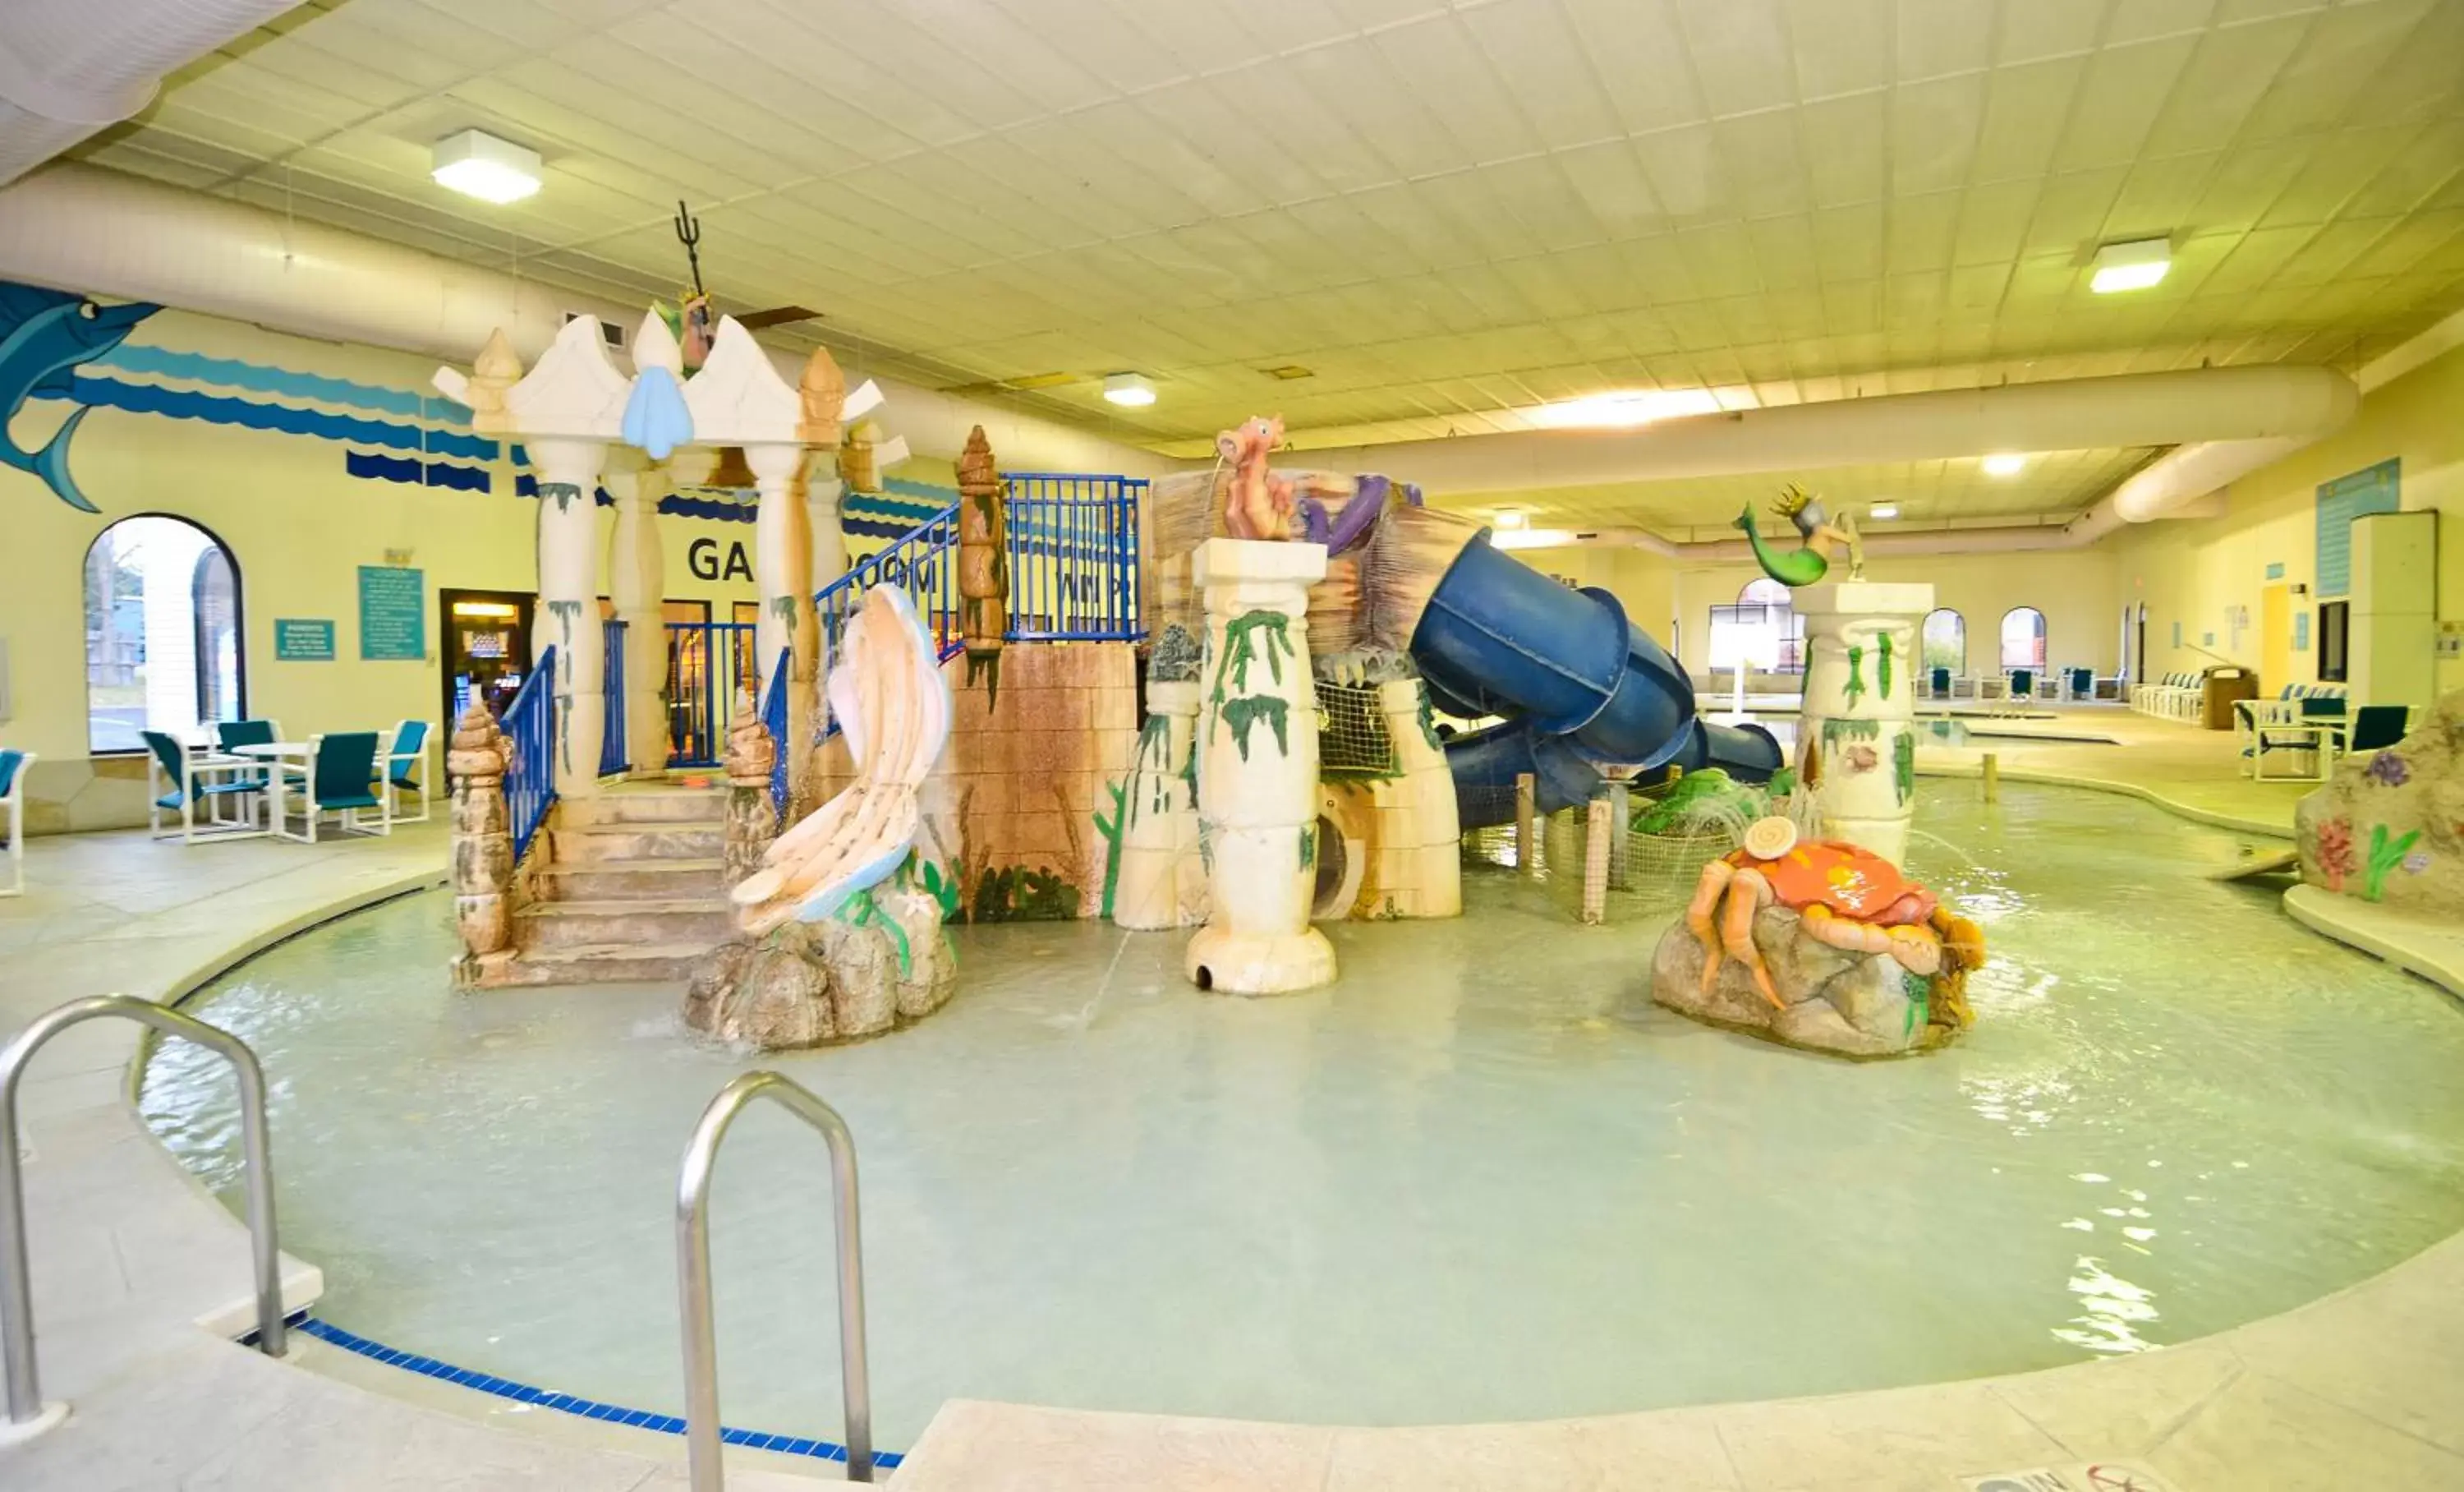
[185,404]
[283,383]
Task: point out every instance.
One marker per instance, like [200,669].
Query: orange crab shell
[1850,880]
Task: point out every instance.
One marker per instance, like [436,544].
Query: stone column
[752,822]
[822,491]
[1257,779]
[636,580]
[1159,881]
[782,566]
[568,604]
[1855,742]
[483,847]
[1419,869]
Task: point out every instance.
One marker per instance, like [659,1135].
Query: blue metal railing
[924,561]
[530,766]
[1073,557]
[706,663]
[613,756]
[774,718]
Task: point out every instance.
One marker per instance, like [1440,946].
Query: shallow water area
[1481,1177]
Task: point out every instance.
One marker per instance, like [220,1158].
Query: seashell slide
[889,694]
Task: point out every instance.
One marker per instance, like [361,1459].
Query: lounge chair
[210,782]
[13,771]
[406,751]
[337,776]
[2317,731]
[1940,682]
[2022,684]
[2374,728]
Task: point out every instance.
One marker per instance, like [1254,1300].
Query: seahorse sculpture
[895,705]
[1260,505]
[1810,560]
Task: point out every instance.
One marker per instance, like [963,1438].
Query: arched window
[1944,641]
[1762,630]
[163,642]
[2023,637]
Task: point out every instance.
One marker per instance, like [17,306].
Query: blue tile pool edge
[563,1403]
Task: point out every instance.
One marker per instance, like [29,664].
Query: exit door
[487,647]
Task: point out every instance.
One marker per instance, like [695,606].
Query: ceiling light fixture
[478,165]
[2005,463]
[2135,265]
[1131,390]
[1535,538]
[1625,409]
[1884,512]
[1512,518]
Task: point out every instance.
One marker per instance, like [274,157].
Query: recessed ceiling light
[1623,411]
[478,165]
[1512,518]
[2005,463]
[2135,265]
[1287,372]
[1129,388]
[1884,512]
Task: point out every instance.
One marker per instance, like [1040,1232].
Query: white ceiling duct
[69,68]
[2273,405]
[79,228]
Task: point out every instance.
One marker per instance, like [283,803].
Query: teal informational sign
[299,639]
[2300,632]
[2373,489]
[2276,571]
[393,614]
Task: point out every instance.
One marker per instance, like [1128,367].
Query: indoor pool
[1480,1178]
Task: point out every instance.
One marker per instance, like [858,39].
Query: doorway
[487,647]
[2275,639]
[2139,670]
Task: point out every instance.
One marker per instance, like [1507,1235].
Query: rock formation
[483,845]
[1834,999]
[2389,825]
[811,984]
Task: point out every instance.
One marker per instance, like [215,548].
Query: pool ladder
[28,1416]
[702,1429]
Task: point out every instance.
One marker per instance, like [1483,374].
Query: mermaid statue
[1817,532]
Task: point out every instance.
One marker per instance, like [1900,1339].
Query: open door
[2274,639]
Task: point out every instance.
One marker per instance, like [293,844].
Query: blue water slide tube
[1579,687]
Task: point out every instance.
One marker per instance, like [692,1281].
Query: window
[163,636]
[1762,630]
[2335,638]
[2023,637]
[1945,642]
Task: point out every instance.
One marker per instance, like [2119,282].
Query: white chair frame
[192,771]
[15,803]
[388,759]
[304,768]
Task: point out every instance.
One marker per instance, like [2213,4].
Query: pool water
[1480,1178]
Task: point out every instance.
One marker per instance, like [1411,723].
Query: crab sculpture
[1847,897]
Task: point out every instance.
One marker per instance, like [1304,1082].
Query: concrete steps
[630,890]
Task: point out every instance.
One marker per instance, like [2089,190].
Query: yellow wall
[299,527]
[2192,570]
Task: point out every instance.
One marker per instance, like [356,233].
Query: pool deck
[2364,1388]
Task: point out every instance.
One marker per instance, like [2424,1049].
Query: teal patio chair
[2318,730]
[213,785]
[14,773]
[337,776]
[2022,685]
[1940,682]
[229,735]
[405,754]
[2374,728]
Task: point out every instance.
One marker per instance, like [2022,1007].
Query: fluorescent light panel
[1129,390]
[478,165]
[2005,463]
[1884,512]
[2134,265]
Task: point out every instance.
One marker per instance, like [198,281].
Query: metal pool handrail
[692,1274]
[16,1293]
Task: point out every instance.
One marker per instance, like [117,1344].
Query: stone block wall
[1011,808]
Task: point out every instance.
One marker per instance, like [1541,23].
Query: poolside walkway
[2362,1390]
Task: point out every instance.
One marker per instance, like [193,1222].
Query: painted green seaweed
[1428,717]
[1903,767]
[564,612]
[1836,731]
[942,889]
[1111,830]
[563,491]
[1242,648]
[988,665]
[1856,674]
[1020,894]
[1308,845]
[1250,708]
[1919,992]
[861,910]
[2385,857]
[1882,666]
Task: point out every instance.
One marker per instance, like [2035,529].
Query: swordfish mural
[44,336]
